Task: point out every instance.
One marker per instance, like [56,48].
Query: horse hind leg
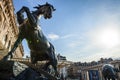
[105,78]
[53,59]
[113,78]
[54,64]
[45,67]
[110,79]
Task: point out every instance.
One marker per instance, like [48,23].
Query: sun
[108,38]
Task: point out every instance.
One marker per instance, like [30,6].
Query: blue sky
[81,30]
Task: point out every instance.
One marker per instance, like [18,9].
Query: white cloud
[30,2]
[74,44]
[68,36]
[53,36]
[92,49]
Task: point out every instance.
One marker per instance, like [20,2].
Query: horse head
[45,10]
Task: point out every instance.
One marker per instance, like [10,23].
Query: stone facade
[8,29]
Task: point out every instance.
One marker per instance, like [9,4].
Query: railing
[21,59]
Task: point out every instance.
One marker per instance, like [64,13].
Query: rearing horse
[40,47]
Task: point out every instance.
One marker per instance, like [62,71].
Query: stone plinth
[11,70]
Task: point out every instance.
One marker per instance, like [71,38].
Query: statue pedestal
[11,70]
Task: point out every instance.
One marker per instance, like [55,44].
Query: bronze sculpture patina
[109,72]
[40,47]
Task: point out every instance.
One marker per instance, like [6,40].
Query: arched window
[0,17]
[1,13]
[6,37]
[8,44]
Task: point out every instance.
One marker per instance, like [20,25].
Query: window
[0,17]
[5,38]
[8,45]
[1,14]
[0,8]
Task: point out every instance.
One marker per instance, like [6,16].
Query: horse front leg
[10,54]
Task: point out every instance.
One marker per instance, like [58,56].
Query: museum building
[8,29]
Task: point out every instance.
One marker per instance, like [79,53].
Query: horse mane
[47,4]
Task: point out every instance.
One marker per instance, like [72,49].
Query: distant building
[61,57]
[63,65]
[81,70]
[8,29]
[63,69]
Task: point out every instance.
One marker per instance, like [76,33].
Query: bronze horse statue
[40,48]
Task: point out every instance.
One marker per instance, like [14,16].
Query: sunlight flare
[109,38]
